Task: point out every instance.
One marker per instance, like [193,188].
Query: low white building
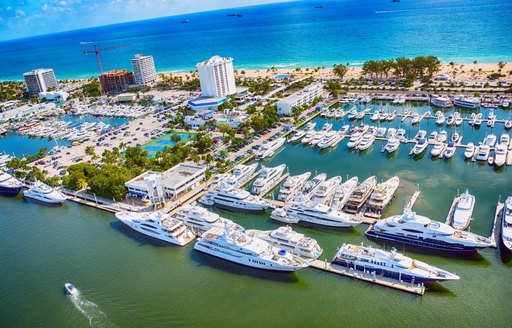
[168,184]
[53,95]
[126,97]
[304,96]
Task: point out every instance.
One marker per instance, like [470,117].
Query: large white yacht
[157,225]
[44,193]
[326,189]
[442,102]
[233,198]
[360,195]
[9,186]
[320,214]
[238,247]
[463,211]
[391,146]
[506,224]
[291,241]
[483,153]
[292,186]
[267,178]
[500,154]
[418,230]
[241,174]
[467,102]
[382,195]
[302,133]
[390,264]
[343,193]
[268,149]
[310,187]
[199,219]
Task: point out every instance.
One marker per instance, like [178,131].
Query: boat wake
[91,311]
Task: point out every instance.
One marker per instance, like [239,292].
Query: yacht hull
[9,191]
[243,260]
[387,273]
[155,235]
[424,243]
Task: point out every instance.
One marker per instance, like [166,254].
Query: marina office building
[40,80]
[304,96]
[144,72]
[168,184]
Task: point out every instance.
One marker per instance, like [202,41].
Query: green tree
[225,128]
[340,70]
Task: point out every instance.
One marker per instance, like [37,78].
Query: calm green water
[133,282]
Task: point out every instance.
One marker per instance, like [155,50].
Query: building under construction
[116,81]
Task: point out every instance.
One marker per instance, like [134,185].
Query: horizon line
[147,19]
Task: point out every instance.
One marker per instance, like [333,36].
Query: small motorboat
[70,289]
[490,160]
[470,151]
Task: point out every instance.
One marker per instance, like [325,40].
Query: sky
[23,18]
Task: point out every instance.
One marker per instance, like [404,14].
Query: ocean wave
[389,11]
[282,65]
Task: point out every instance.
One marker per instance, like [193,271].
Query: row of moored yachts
[281,249]
[62,130]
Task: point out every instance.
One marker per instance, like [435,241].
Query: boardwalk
[418,289]
[495,233]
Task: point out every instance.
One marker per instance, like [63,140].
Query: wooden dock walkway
[418,289]
[413,199]
[452,208]
[495,233]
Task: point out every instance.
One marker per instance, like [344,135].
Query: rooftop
[171,177]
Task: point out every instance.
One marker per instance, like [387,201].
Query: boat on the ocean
[9,186]
[390,264]
[360,195]
[44,193]
[382,195]
[199,219]
[267,150]
[292,186]
[267,178]
[418,230]
[506,224]
[238,247]
[461,217]
[157,225]
[291,241]
[70,289]
[366,142]
[231,197]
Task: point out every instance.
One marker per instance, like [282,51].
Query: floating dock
[418,289]
[495,233]
[452,209]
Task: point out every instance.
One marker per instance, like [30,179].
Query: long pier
[418,289]
[452,209]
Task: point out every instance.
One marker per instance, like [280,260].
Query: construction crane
[97,51]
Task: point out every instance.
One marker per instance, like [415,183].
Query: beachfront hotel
[217,77]
[304,96]
[116,81]
[40,80]
[143,67]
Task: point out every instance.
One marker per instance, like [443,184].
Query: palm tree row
[402,67]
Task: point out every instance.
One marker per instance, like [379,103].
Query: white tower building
[144,72]
[40,80]
[217,77]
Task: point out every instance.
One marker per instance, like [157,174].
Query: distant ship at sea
[185,21]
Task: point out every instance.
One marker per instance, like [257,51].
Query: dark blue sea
[283,35]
